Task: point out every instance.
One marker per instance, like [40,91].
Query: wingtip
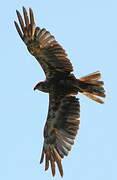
[17,12]
[42,157]
[23,8]
[15,22]
[30,9]
[31,16]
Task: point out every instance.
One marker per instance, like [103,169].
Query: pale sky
[87,30]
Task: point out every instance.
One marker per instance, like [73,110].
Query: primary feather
[41,44]
[60,130]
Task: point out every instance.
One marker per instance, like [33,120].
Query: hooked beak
[36,87]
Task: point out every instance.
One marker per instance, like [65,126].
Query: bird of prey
[62,86]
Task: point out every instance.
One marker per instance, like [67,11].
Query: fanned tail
[91,87]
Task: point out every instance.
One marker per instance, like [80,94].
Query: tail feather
[93,97]
[91,87]
[92,76]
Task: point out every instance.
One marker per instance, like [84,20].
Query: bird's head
[42,86]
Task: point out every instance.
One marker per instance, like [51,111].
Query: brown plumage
[64,110]
[60,130]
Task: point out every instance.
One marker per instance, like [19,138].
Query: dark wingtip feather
[31,16]
[58,161]
[18,30]
[20,20]
[42,157]
[25,17]
[52,162]
[60,167]
[47,161]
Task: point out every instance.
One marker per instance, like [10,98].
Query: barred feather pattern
[43,46]
[60,130]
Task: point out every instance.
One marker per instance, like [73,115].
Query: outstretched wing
[41,44]
[60,130]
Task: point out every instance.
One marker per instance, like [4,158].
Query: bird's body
[62,86]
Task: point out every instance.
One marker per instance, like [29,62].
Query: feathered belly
[64,87]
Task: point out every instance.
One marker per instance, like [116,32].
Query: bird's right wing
[43,46]
[60,130]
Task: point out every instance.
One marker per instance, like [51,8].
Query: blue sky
[88,32]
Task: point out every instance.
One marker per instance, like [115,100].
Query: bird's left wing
[60,130]
[43,46]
